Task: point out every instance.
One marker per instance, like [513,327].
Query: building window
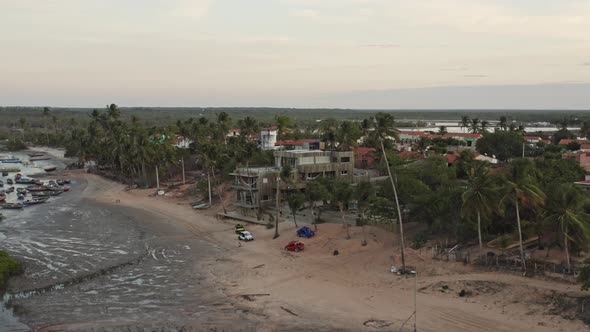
[343,172]
[265,197]
[331,174]
[334,159]
[345,159]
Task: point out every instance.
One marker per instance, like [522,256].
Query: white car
[245,236]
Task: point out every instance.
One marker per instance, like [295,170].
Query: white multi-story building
[268,138]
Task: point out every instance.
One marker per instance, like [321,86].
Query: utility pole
[157,178]
[183,177]
[523,149]
[415,290]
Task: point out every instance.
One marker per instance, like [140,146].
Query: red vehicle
[295,246]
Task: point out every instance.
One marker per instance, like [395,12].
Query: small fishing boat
[37,188]
[36,154]
[2,197]
[66,189]
[26,181]
[9,170]
[39,182]
[9,181]
[35,201]
[4,173]
[21,191]
[10,190]
[67,181]
[50,168]
[40,159]
[46,193]
[11,161]
[12,206]
[60,182]
[20,196]
[18,176]
[1,183]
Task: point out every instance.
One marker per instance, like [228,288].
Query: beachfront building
[301,144]
[256,186]
[469,139]
[268,138]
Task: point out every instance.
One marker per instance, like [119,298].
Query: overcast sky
[301,53]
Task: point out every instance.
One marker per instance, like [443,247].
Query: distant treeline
[151,116]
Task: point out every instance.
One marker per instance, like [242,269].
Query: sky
[296,53]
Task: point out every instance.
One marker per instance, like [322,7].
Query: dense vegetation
[467,201]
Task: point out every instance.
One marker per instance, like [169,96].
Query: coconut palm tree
[481,196]
[464,123]
[475,125]
[566,208]
[483,127]
[521,189]
[343,193]
[442,130]
[503,123]
[347,135]
[364,194]
[316,191]
[384,131]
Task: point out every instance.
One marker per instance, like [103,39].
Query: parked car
[305,232]
[239,228]
[245,236]
[295,246]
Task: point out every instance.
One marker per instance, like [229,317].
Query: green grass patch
[8,267]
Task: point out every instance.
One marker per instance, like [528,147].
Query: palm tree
[585,129]
[284,122]
[522,190]
[503,123]
[383,131]
[481,196]
[343,193]
[347,135]
[566,208]
[248,126]
[315,191]
[464,123]
[475,125]
[442,130]
[483,127]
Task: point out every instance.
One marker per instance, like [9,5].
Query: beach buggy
[305,232]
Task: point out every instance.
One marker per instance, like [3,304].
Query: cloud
[385,45]
[191,8]
[475,76]
[305,13]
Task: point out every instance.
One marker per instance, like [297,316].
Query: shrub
[8,267]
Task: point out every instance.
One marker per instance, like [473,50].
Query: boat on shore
[2,197]
[21,191]
[12,206]
[50,168]
[9,181]
[26,181]
[10,190]
[1,183]
[35,201]
[9,170]
[20,196]
[46,193]
[37,154]
[11,161]
[40,159]
[36,188]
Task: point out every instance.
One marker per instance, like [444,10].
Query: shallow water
[106,265]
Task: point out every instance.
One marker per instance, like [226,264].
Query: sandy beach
[164,265]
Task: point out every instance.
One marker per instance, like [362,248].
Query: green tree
[502,144]
[573,146]
[566,208]
[480,197]
[475,125]
[316,191]
[364,194]
[284,123]
[562,134]
[347,135]
[503,123]
[442,130]
[296,201]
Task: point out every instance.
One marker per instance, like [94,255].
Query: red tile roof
[585,147]
[414,155]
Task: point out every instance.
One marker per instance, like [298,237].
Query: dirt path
[342,292]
